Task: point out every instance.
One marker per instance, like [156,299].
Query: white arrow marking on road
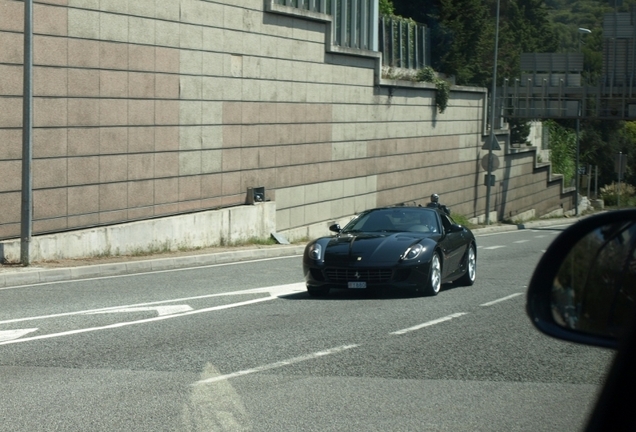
[7,335]
[274,292]
[280,291]
[161,310]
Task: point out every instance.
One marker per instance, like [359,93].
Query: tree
[601,141]
[463,35]
[386,7]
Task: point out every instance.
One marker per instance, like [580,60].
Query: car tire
[434,281]
[471,267]
[317,292]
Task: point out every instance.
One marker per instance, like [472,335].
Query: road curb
[527,225]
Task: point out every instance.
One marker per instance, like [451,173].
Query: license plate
[357,285]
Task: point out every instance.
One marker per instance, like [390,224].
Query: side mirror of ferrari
[335,228]
[456,228]
[584,287]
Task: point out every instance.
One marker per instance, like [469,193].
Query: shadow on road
[366,294]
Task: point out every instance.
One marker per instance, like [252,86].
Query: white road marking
[494,247]
[428,324]
[150,272]
[161,310]
[541,236]
[142,321]
[277,364]
[522,241]
[292,288]
[501,299]
[274,291]
[7,335]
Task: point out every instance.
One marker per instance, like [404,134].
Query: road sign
[495,143]
[494,162]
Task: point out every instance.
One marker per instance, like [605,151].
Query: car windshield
[415,219]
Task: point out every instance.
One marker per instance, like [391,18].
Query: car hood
[365,248]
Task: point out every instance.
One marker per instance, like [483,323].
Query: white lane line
[274,291]
[494,247]
[429,323]
[149,272]
[142,321]
[7,335]
[541,236]
[522,241]
[277,364]
[161,310]
[501,299]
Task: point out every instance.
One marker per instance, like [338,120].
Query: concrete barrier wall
[150,108]
[212,228]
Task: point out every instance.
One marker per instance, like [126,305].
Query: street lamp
[580,32]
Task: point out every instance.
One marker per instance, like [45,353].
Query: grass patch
[463,220]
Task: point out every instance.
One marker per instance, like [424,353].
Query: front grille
[338,275]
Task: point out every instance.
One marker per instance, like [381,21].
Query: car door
[453,246]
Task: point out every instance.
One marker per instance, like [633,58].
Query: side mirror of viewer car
[584,290]
[584,287]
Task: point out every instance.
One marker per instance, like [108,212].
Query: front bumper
[408,277]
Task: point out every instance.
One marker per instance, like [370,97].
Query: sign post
[620,161]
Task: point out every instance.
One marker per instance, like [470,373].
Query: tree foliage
[463,35]
[601,141]
[386,7]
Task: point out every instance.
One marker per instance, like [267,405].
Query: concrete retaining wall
[191,231]
[149,109]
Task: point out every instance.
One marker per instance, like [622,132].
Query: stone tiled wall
[150,108]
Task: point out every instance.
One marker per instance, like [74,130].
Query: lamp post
[578,124]
[580,32]
[492,118]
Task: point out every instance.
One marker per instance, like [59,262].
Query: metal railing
[357,25]
[404,44]
[321,6]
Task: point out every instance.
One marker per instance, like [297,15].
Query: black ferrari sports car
[394,247]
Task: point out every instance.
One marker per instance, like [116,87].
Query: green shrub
[442,93]
[610,193]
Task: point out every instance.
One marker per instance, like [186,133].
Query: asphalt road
[241,346]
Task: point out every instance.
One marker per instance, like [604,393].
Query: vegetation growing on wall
[562,150]
[442,92]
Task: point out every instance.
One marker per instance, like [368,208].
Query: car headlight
[315,251]
[413,252]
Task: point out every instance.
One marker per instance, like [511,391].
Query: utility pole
[491,138]
[27,143]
